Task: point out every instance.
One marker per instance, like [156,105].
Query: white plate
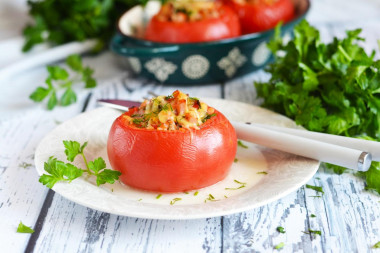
[285,172]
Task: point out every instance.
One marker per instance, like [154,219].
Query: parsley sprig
[61,21]
[59,171]
[332,87]
[59,79]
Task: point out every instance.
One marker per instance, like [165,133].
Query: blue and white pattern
[195,66]
[160,68]
[232,62]
[135,64]
[260,55]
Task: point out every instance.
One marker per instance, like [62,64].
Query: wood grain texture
[21,196]
[347,216]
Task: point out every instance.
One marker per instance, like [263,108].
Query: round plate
[259,175]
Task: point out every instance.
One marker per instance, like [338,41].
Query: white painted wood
[347,216]
[21,195]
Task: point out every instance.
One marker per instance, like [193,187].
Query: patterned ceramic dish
[193,63]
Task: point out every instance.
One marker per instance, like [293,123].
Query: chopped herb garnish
[225,196]
[262,172]
[315,188]
[158,196]
[279,246]
[25,165]
[175,200]
[210,198]
[236,181]
[186,192]
[139,199]
[196,193]
[169,97]
[24,229]
[314,232]
[242,185]
[315,196]
[209,116]
[241,144]
[236,160]
[313,215]
[377,245]
[280,230]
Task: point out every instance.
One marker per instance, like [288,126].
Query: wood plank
[21,195]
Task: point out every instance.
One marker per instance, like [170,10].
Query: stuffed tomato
[172,144]
[261,15]
[193,21]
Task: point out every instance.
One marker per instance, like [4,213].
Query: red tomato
[261,15]
[172,161]
[225,26]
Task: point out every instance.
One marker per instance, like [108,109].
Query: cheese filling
[171,113]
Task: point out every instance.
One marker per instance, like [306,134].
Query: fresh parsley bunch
[59,79]
[332,88]
[61,171]
[61,21]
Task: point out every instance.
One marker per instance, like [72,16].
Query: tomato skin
[261,15]
[226,26]
[172,161]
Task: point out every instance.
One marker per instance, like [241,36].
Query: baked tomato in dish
[261,15]
[193,21]
[172,144]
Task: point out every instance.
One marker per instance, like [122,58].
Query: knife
[347,152]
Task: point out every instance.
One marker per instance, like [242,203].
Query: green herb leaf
[52,102]
[57,73]
[74,62]
[236,160]
[24,229]
[90,82]
[241,144]
[159,196]
[313,215]
[107,176]
[39,94]
[315,188]
[280,230]
[377,245]
[69,97]
[72,149]
[97,165]
[279,246]
[262,172]
[59,171]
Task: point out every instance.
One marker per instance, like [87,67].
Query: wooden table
[347,216]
